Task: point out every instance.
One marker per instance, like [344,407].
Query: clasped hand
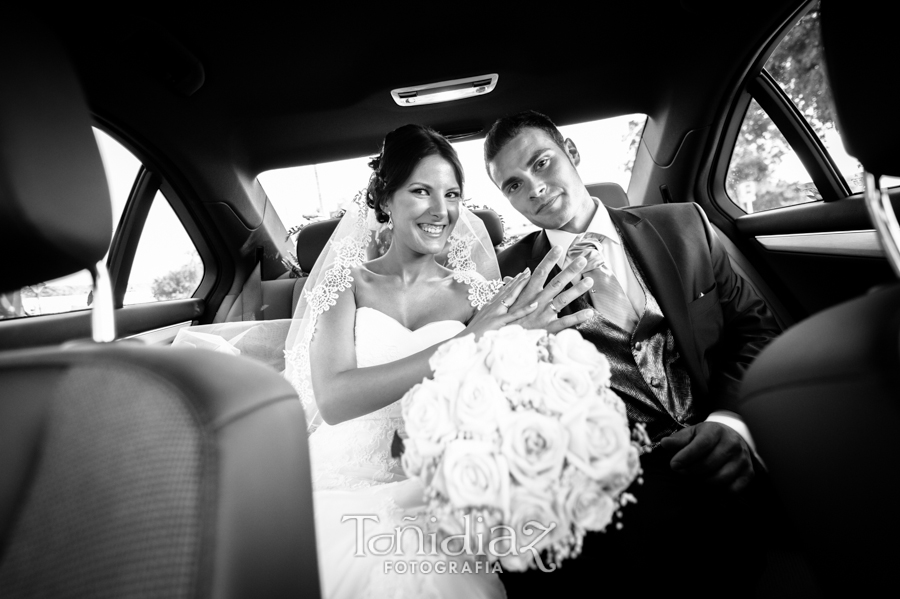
[713,452]
[526,301]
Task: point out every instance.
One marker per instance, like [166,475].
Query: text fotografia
[441,567]
[481,546]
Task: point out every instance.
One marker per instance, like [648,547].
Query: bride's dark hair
[402,149]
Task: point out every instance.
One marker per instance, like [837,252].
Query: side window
[765,172]
[166,264]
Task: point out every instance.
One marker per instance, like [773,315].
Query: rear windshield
[304,193]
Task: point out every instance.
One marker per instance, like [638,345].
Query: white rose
[472,474]
[514,355]
[585,503]
[480,405]
[569,347]
[599,439]
[535,448]
[426,415]
[535,521]
[563,385]
[456,357]
[515,334]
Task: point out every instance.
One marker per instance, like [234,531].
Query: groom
[679,328]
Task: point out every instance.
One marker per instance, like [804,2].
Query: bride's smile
[433,230]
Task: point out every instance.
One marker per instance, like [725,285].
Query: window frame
[149,180]
[129,230]
[758,84]
[137,320]
[800,135]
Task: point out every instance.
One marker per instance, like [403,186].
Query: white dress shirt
[602,224]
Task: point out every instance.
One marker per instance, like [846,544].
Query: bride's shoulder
[362,272]
[368,273]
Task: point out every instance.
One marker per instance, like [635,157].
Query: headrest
[861,58]
[611,194]
[492,223]
[312,238]
[311,241]
[55,215]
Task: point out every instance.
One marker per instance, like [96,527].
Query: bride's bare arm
[344,391]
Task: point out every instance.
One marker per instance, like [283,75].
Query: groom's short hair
[506,128]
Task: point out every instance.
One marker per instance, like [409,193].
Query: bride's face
[425,208]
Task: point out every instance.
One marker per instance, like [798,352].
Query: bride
[367,330]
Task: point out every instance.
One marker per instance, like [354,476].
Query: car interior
[204,102]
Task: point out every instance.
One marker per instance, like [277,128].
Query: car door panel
[141,321]
[814,243]
[822,253]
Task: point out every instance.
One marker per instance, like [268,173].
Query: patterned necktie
[607,295]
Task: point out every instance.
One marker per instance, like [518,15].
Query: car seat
[126,470]
[823,400]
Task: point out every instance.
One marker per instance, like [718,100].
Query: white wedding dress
[355,475]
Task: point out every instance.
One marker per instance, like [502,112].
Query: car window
[798,65]
[166,261]
[301,194]
[166,265]
[765,172]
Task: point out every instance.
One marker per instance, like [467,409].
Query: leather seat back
[127,470]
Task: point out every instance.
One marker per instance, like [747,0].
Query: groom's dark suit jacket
[679,530]
[719,323]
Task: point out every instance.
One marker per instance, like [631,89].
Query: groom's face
[540,180]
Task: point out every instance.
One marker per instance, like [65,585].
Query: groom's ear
[572,152]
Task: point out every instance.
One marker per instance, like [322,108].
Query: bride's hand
[554,297]
[498,312]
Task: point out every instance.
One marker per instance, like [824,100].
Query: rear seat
[278,299]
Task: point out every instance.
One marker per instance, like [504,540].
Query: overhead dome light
[445,91]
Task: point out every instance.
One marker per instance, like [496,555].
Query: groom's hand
[553,297]
[712,451]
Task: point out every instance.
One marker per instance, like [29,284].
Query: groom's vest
[647,371]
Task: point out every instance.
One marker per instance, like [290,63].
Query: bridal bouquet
[520,444]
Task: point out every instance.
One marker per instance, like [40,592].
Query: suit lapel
[665,282]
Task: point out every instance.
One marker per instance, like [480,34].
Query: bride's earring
[390,222]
